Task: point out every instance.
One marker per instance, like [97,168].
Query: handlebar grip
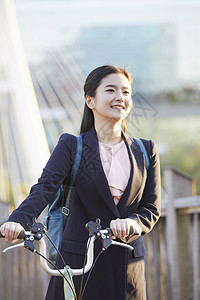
[131,231]
[20,236]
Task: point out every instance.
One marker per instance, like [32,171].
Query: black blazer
[93,199]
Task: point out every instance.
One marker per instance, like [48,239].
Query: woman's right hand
[11,231]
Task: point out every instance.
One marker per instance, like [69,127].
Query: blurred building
[148,51]
[159,40]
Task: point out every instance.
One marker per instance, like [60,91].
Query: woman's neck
[109,134]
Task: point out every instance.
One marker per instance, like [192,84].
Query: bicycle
[37,231]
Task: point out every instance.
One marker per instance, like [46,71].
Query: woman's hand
[124,229]
[11,231]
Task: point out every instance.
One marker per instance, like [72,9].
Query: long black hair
[91,84]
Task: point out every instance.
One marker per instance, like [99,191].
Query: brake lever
[122,245]
[106,240]
[14,246]
[27,243]
[36,233]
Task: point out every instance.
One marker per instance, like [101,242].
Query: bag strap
[143,149]
[77,159]
[75,167]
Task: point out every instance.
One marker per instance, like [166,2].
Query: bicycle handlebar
[95,232]
[21,235]
[90,255]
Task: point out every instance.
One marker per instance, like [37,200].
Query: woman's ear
[89,101]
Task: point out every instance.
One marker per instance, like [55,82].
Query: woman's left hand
[125,228]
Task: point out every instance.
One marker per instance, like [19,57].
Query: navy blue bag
[143,149]
[56,219]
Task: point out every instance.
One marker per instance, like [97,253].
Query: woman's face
[112,101]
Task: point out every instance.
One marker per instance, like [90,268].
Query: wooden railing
[21,275]
[173,260]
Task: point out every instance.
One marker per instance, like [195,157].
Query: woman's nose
[120,96]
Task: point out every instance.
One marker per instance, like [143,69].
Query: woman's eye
[126,92]
[110,90]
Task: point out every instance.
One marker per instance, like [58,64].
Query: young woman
[112,184]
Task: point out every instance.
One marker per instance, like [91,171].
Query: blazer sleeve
[149,209]
[53,175]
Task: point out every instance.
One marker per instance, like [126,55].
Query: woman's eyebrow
[114,86]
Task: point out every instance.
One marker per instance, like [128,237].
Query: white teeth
[119,106]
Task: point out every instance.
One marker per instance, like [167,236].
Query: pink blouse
[117,166]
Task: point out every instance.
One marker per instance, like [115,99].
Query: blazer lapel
[95,168]
[137,176]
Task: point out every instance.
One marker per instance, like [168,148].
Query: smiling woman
[112,184]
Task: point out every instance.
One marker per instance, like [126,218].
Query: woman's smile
[118,107]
